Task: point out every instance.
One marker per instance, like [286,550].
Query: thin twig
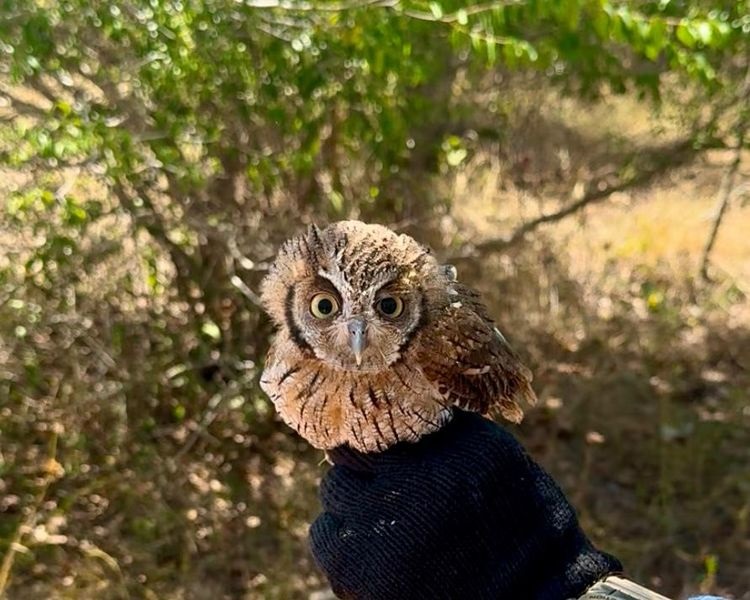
[237,282]
[723,196]
[726,189]
[52,471]
[213,409]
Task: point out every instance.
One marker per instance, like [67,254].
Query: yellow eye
[324,305]
[390,306]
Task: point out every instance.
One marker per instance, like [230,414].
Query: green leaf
[626,18]
[722,31]
[47,198]
[658,32]
[491,52]
[336,200]
[704,32]
[74,214]
[528,51]
[476,41]
[211,329]
[64,107]
[600,23]
[456,157]
[685,35]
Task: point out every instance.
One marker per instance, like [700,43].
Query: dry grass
[643,372]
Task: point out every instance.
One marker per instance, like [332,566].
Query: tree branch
[723,197]
[726,189]
[657,161]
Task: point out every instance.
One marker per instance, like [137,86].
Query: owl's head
[353,294]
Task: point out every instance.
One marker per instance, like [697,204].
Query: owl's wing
[471,363]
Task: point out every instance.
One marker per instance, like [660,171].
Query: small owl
[377,341]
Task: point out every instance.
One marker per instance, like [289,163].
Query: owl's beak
[358,337]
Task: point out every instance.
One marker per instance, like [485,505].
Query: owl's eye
[390,306]
[324,305]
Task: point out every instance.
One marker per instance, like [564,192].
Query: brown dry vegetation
[643,375]
[643,372]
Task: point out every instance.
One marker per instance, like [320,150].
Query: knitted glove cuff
[464,512]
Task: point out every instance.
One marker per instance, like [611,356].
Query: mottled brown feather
[471,363]
[443,351]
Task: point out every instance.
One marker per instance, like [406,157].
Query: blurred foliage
[154,153]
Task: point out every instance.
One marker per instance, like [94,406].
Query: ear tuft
[314,236]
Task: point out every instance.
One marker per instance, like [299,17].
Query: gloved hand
[463,513]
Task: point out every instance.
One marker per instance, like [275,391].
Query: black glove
[463,513]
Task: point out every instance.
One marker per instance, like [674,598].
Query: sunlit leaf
[211,329]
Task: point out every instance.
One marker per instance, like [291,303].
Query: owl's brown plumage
[376,341]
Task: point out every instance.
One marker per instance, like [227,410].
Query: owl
[376,341]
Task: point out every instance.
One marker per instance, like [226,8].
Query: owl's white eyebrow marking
[337,279]
[383,281]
